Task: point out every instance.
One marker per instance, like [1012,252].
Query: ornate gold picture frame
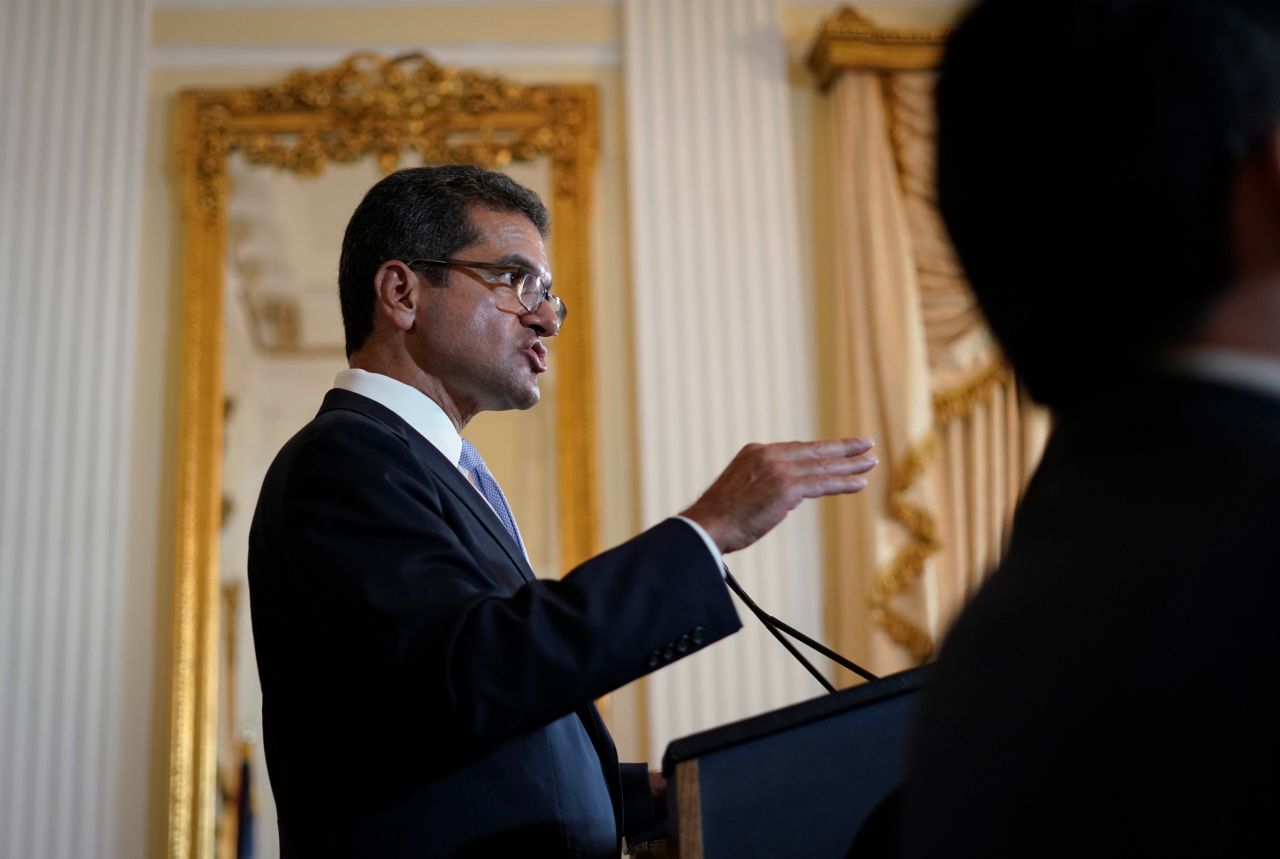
[365,106]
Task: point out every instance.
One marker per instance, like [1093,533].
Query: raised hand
[765,482]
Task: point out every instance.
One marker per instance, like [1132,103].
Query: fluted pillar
[722,332]
[72,81]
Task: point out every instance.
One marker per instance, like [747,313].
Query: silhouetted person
[1109,171]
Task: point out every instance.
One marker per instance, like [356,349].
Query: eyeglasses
[530,289]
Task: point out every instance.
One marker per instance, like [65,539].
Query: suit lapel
[435,462]
[453,479]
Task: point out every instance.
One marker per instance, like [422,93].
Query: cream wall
[529,42]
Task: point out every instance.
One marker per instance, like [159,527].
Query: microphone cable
[777,628]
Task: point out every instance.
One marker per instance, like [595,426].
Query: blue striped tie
[483,480]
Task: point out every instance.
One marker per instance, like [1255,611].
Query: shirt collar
[418,410]
[1250,370]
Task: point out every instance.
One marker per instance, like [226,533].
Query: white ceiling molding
[487,55]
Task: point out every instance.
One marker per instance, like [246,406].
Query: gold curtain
[915,367]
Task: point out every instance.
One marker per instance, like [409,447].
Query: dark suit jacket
[1112,688]
[421,689]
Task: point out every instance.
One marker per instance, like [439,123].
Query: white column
[722,327]
[72,81]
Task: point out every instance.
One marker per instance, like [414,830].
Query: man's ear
[1255,211]
[1272,165]
[396,294]
[1269,167]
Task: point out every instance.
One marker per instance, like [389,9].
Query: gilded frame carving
[364,106]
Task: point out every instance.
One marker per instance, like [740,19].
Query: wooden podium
[799,781]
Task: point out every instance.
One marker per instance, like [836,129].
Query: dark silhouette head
[1086,157]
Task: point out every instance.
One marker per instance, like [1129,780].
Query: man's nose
[543,320]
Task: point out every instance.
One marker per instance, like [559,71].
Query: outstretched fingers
[838,448]
[822,485]
[835,465]
[831,468]
[766,481]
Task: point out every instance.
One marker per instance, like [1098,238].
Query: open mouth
[537,356]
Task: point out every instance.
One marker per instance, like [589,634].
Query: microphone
[777,627]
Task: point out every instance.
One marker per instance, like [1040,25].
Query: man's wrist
[706,538]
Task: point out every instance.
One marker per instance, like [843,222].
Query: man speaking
[424,694]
